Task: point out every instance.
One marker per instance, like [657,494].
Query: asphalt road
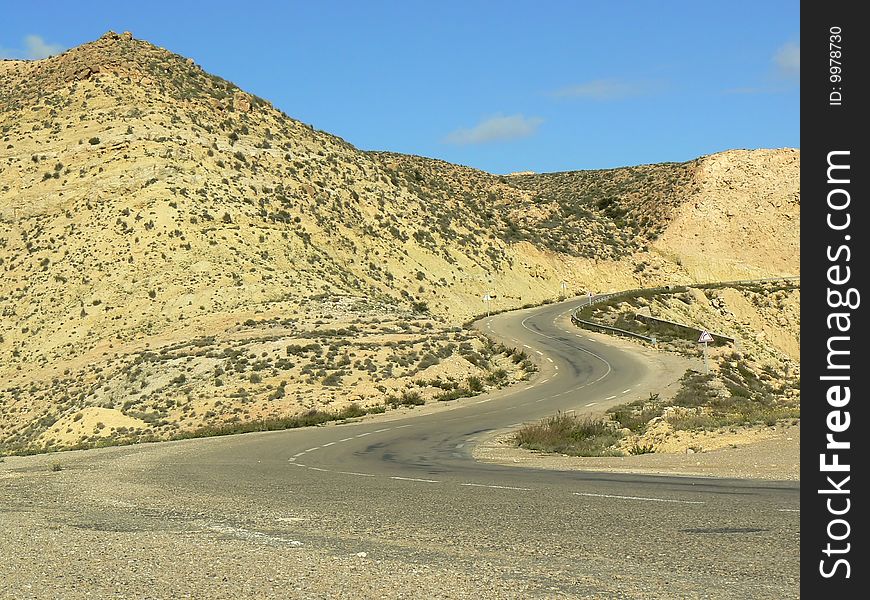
[414,475]
[404,489]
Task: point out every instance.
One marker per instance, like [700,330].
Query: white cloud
[607,89]
[788,60]
[35,48]
[496,129]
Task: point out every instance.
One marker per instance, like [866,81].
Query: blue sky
[501,86]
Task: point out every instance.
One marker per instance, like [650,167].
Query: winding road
[403,487]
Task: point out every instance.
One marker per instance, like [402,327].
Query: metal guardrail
[663,289]
[594,325]
[695,330]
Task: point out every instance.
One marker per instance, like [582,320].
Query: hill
[168,242]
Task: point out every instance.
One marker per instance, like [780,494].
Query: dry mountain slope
[146,204]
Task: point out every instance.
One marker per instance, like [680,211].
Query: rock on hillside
[743,222]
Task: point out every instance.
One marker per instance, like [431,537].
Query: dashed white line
[610,397]
[496,487]
[313,449]
[364,434]
[329,444]
[382,430]
[413,479]
[638,498]
[549,359]
[539,352]
[319,469]
[592,404]
[355,473]
[347,439]
[626,391]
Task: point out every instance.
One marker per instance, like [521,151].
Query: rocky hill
[151,209]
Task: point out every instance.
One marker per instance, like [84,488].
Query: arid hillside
[147,206]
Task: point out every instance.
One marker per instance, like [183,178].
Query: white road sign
[705,337]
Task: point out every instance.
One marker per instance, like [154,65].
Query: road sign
[705,337]
[487,297]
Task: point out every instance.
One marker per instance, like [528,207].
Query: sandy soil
[768,453]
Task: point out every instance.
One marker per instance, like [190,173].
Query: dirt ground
[767,453]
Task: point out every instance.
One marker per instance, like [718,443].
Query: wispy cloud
[608,89]
[785,73]
[35,48]
[787,60]
[496,129]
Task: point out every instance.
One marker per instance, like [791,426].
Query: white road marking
[459,445]
[413,479]
[298,454]
[319,469]
[549,359]
[515,425]
[545,380]
[347,439]
[355,473]
[610,397]
[556,367]
[539,352]
[383,430]
[496,487]
[364,434]
[401,426]
[638,498]
[327,445]
[797,510]
[527,346]
[626,391]
[296,464]
[313,449]
[592,404]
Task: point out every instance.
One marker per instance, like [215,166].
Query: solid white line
[319,469]
[592,404]
[610,397]
[296,464]
[414,479]
[638,498]
[788,510]
[496,487]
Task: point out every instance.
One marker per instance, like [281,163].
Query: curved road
[414,476]
[403,488]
